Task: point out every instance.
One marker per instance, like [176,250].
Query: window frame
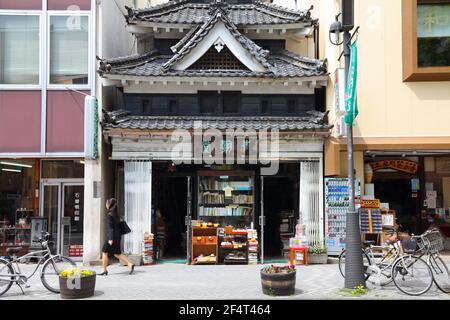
[36,13]
[238,95]
[81,13]
[411,70]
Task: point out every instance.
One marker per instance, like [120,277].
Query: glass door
[189,221]
[62,203]
[72,220]
[50,209]
[262,221]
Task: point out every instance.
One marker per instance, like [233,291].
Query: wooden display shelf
[204,248]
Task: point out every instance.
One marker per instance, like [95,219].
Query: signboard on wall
[91,127]
[399,165]
[339,91]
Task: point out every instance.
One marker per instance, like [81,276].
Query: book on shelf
[230,211]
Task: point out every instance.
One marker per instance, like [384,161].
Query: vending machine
[337,200]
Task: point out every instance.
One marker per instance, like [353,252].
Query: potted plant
[77,283]
[278,280]
[135,259]
[317,255]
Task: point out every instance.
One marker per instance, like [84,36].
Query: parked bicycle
[52,265]
[430,244]
[410,273]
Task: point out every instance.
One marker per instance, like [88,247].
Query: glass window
[17,189]
[208,102]
[69,43]
[231,101]
[64,169]
[433,34]
[292,106]
[19,49]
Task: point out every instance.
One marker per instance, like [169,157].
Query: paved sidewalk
[183,282]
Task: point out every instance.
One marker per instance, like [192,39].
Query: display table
[293,251]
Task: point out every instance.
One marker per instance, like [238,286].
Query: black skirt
[114,249]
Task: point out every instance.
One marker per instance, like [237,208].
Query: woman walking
[111,246]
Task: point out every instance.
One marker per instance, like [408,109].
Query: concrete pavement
[183,282]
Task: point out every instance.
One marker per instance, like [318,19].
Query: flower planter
[278,284]
[318,258]
[77,287]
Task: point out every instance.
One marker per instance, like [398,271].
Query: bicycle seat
[368,243]
[13,250]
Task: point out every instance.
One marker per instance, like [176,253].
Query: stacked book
[147,249]
[252,237]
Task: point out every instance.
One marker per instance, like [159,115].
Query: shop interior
[18,203]
[280,210]
[395,188]
[416,189]
[169,213]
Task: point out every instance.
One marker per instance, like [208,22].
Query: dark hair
[112,207]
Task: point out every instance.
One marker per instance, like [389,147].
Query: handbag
[124,228]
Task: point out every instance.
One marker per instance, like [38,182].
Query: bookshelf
[226,197]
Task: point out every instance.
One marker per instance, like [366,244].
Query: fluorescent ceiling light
[16,164]
[12,170]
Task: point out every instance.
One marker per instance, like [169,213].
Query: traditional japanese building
[211,81]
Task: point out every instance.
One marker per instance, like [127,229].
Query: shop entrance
[62,204]
[170,209]
[280,209]
[397,192]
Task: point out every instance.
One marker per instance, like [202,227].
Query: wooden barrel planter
[278,284]
[70,288]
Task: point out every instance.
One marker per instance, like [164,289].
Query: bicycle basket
[410,245]
[435,242]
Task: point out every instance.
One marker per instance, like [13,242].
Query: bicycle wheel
[51,270]
[412,275]
[441,274]
[366,263]
[5,281]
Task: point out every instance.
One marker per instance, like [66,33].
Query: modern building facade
[47,68]
[402,140]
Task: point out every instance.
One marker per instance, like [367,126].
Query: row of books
[214,198]
[227,211]
[213,184]
[243,199]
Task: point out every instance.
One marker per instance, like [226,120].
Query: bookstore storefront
[219,213]
[416,189]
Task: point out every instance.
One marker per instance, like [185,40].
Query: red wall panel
[21,4]
[20,121]
[64,4]
[65,121]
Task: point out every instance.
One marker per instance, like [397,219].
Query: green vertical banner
[351,105]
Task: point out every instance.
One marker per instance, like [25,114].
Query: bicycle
[430,244]
[410,274]
[52,265]
[377,262]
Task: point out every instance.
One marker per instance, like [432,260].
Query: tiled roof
[284,64]
[185,12]
[191,40]
[316,121]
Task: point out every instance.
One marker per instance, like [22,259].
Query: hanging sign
[399,165]
[374,204]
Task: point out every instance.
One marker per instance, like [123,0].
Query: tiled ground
[178,281]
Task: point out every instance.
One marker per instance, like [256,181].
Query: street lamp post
[354,268]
